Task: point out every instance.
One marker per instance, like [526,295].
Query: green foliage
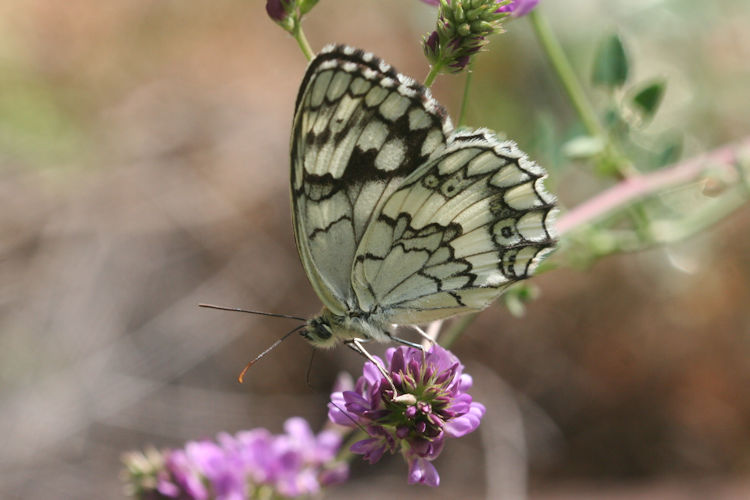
[627,148]
[611,65]
[306,6]
[670,151]
[648,98]
[518,296]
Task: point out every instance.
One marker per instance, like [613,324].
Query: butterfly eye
[324,334]
[323,330]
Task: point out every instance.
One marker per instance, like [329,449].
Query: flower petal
[372,449]
[327,444]
[423,472]
[298,429]
[335,475]
[465,382]
[338,416]
[466,423]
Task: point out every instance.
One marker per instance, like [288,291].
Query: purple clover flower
[517,8]
[418,426]
[247,465]
[462,30]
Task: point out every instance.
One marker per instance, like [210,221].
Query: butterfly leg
[426,336]
[421,347]
[357,346]
[428,340]
[406,342]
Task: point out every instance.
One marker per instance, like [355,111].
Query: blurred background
[144,169]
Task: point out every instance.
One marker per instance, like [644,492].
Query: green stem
[434,70]
[299,35]
[554,52]
[465,98]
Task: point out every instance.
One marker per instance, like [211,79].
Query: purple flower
[430,406]
[517,8]
[461,31]
[296,463]
[202,463]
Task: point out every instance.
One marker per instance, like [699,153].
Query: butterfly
[398,218]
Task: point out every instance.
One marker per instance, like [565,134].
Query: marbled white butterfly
[398,218]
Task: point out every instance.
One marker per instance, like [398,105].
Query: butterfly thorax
[328,329]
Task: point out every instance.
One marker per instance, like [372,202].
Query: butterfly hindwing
[360,129]
[470,222]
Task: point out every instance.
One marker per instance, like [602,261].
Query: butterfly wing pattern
[398,218]
[360,128]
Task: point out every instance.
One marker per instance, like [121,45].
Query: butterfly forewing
[460,229]
[359,130]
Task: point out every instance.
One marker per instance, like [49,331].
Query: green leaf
[649,97]
[611,116]
[306,6]
[611,63]
[518,296]
[615,122]
[670,152]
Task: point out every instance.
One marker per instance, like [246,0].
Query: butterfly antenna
[261,313]
[347,415]
[241,377]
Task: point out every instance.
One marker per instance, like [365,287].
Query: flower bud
[278,10]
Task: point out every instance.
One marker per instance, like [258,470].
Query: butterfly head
[320,330]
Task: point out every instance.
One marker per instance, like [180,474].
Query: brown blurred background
[144,169]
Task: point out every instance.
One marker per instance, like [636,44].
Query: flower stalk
[288,14]
[301,39]
[730,160]
[465,96]
[564,71]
